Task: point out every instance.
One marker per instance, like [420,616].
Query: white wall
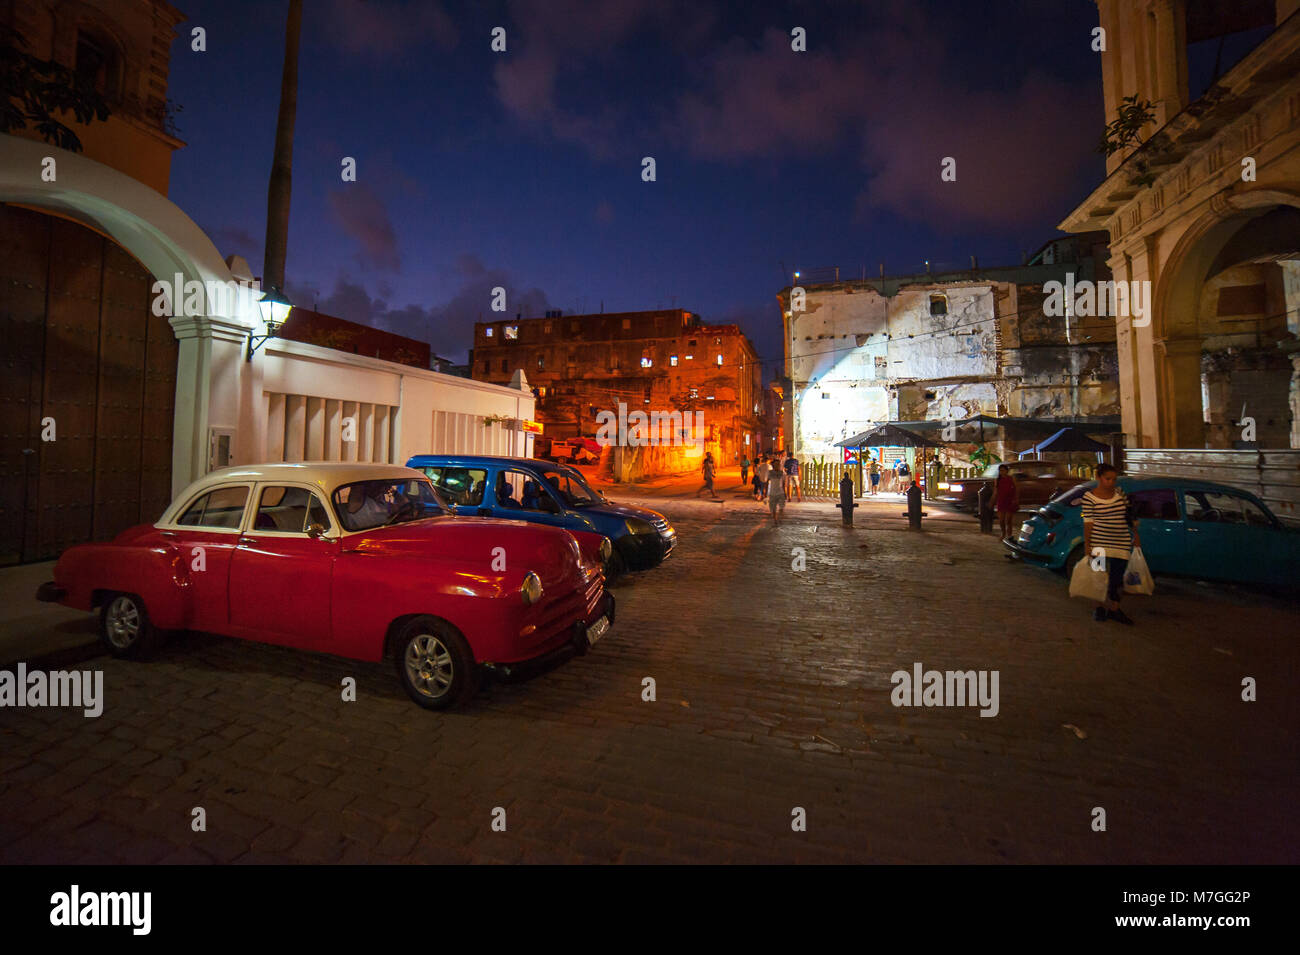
[851,345]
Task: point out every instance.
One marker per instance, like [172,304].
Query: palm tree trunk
[278,192]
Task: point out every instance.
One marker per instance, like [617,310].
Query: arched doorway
[1224,302]
[89,383]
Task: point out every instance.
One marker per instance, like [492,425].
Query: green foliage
[1127,126]
[34,90]
[982,457]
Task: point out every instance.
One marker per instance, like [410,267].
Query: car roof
[424,460]
[323,473]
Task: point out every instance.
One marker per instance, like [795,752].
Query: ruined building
[949,345]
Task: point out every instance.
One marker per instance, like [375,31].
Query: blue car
[1188,528]
[544,492]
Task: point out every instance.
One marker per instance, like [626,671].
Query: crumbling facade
[944,347]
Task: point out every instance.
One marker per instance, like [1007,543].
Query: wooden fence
[823,480]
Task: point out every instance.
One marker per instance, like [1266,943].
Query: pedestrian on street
[1108,527]
[707,469]
[761,472]
[1008,500]
[903,474]
[776,491]
[875,475]
[744,470]
[792,478]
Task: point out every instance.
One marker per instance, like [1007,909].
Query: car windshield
[571,487]
[363,505]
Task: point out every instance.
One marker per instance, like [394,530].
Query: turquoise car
[1188,528]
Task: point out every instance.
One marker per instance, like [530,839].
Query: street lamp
[275,308]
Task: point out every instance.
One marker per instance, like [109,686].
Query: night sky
[523,168]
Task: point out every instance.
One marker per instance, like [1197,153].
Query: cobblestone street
[773,692]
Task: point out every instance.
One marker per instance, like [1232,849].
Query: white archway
[168,243]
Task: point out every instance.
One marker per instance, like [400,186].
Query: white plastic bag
[1137,576]
[1088,583]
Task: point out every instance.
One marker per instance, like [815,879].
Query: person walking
[707,469]
[875,475]
[776,491]
[762,471]
[1008,500]
[1109,533]
[902,476]
[792,478]
[744,470]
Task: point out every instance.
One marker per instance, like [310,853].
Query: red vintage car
[358,560]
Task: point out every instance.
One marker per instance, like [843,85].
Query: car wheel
[1076,555]
[615,567]
[435,664]
[125,627]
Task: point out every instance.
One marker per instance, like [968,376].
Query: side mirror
[315,531]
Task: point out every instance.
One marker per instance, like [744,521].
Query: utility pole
[281,184]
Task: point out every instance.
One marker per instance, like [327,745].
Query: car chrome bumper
[575,646]
[1023,552]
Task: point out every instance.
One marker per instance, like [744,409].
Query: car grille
[578,604]
[666,534]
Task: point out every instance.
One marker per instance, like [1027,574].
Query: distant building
[316,328]
[666,361]
[946,345]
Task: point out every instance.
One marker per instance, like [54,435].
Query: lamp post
[275,308]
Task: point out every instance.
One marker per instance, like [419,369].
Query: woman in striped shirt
[1109,534]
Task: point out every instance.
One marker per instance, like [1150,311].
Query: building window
[512,333]
[503,365]
[691,343]
[719,359]
[627,324]
[646,361]
[541,362]
[546,329]
[99,64]
[938,305]
[689,357]
[695,393]
[672,360]
[487,332]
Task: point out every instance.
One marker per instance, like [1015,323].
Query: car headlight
[606,549]
[955,488]
[531,588]
[637,526]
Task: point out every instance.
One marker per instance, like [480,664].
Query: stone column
[1181,416]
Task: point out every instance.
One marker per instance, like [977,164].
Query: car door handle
[168,534]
